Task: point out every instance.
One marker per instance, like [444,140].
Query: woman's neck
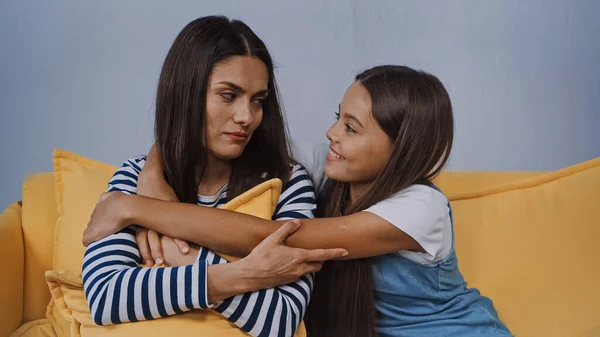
[216,174]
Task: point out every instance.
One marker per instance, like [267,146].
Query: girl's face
[237,88]
[359,149]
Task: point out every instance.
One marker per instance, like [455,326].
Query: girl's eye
[228,96]
[349,128]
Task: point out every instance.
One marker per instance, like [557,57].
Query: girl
[217,111]
[393,134]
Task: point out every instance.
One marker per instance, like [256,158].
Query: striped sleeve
[297,200]
[269,312]
[126,177]
[277,311]
[118,290]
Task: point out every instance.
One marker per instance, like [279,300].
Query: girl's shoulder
[425,202]
[426,192]
[422,212]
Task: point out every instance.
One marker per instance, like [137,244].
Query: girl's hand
[151,181]
[109,217]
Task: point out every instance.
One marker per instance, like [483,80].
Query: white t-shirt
[419,210]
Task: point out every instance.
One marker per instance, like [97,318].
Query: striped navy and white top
[118,290]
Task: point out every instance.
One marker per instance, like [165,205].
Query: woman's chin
[230,153]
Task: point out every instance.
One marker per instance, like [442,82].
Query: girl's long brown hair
[414,110]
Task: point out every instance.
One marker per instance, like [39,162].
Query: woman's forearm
[220,282]
[227,280]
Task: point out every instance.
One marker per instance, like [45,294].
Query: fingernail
[159,261]
[185,249]
[345,254]
[149,263]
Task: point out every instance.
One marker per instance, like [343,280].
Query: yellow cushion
[11,284]
[79,182]
[532,246]
[37,328]
[39,220]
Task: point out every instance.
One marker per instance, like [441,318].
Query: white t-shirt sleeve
[422,213]
[313,157]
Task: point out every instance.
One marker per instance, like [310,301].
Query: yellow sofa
[528,240]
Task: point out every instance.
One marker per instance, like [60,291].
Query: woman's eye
[349,128]
[228,96]
[260,101]
[337,115]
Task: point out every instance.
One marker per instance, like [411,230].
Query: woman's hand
[109,217]
[152,250]
[171,253]
[272,263]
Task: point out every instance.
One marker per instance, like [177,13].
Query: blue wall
[524,76]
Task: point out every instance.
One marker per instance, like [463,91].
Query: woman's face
[359,148]
[237,88]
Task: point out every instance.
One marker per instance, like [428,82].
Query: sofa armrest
[12,257]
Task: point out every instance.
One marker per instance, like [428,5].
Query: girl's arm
[362,234]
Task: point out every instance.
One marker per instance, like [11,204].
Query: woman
[217,111]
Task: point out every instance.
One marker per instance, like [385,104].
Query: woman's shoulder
[136,162]
[296,169]
[297,199]
[126,177]
[133,165]
[299,177]
[312,156]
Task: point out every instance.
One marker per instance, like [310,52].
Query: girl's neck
[216,174]
[356,191]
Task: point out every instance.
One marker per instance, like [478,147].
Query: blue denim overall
[412,299]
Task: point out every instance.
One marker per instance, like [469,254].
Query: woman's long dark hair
[414,110]
[180,123]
